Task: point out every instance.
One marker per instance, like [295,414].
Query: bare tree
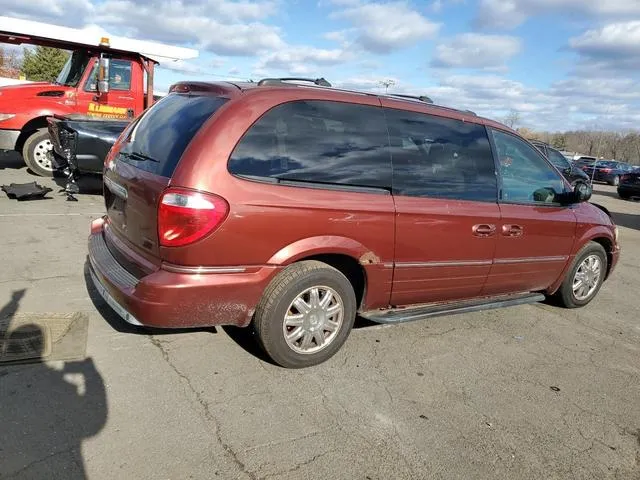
[512,119]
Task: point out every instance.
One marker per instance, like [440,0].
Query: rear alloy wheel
[615,181]
[38,152]
[584,279]
[305,314]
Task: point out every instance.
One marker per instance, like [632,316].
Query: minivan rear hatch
[142,168]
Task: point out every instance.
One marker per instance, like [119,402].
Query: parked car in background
[607,171]
[571,172]
[583,160]
[630,184]
[291,208]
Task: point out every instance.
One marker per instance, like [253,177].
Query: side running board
[421,312]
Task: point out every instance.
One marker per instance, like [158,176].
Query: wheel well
[350,268]
[608,247]
[28,128]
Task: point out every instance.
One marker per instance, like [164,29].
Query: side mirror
[581,193]
[103,74]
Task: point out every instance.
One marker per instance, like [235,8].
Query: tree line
[41,64]
[621,146]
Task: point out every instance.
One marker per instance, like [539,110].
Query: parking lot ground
[526,392]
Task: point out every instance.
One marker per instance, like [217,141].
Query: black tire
[615,181]
[35,153]
[565,293]
[277,299]
[623,196]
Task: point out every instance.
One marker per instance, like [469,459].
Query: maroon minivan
[293,208]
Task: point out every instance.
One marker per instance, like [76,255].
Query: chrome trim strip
[503,261]
[388,265]
[461,263]
[119,309]
[201,270]
[116,188]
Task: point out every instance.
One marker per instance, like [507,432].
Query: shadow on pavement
[627,220]
[45,412]
[12,160]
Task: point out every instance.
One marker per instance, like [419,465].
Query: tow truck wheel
[38,152]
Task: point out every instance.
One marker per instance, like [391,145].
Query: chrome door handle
[512,230]
[484,230]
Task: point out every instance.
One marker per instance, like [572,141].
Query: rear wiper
[140,157]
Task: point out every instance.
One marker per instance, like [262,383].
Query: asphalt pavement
[526,392]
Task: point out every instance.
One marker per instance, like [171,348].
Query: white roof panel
[90,37]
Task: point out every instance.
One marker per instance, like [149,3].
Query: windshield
[72,71]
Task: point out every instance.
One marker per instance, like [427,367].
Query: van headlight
[6,116]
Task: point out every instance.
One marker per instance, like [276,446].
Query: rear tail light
[185,216]
[606,170]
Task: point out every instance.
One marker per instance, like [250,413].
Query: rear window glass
[317,142]
[163,132]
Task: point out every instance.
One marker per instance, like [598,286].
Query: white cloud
[302,60]
[385,27]
[511,13]
[566,105]
[73,13]
[222,27]
[473,50]
[613,47]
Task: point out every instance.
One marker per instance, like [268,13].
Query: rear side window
[317,142]
[163,132]
[440,157]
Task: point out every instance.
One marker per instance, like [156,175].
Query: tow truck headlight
[6,116]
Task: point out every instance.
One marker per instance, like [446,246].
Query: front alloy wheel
[585,277]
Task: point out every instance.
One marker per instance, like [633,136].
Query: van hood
[33,90]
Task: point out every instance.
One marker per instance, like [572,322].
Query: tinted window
[440,157]
[317,141]
[558,159]
[526,176]
[163,132]
[119,76]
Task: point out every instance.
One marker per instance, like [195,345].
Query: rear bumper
[166,299]
[8,139]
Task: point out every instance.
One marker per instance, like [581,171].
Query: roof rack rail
[321,82]
[422,98]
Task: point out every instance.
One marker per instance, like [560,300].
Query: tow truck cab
[104,77]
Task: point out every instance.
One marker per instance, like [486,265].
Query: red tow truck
[105,77]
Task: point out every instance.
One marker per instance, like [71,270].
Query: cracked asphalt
[527,392]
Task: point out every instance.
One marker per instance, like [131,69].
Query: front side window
[317,142]
[119,76]
[440,157]
[526,175]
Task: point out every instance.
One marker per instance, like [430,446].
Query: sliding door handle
[484,230]
[512,230]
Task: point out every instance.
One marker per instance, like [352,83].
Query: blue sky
[561,64]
